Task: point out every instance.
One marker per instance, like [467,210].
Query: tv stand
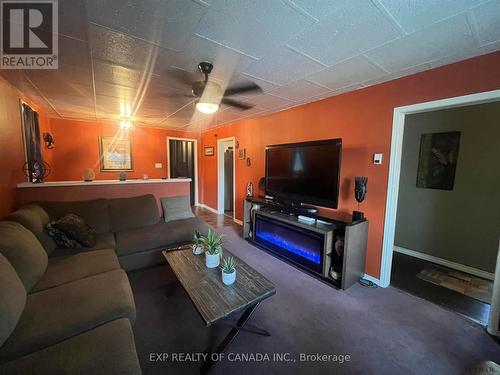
[309,246]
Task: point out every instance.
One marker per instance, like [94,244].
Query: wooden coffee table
[216,301]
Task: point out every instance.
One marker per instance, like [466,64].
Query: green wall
[461,225]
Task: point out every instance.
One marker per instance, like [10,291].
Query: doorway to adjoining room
[182,163]
[226,167]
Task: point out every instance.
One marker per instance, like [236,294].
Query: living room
[212,186]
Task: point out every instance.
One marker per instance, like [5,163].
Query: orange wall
[12,156]
[77,148]
[363,119]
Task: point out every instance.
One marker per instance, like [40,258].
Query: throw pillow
[77,229]
[176,208]
[60,238]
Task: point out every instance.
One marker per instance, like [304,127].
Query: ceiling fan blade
[236,104]
[248,87]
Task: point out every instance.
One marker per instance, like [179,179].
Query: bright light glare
[207,108]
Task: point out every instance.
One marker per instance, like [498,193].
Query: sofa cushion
[56,314]
[65,269]
[34,218]
[158,235]
[135,212]
[95,212]
[176,208]
[23,251]
[12,299]
[107,349]
[104,241]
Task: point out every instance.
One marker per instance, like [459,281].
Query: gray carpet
[385,331]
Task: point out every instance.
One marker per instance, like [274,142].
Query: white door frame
[395,165]
[220,175]
[195,162]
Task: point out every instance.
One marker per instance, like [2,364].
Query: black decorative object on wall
[36,171]
[437,161]
[360,190]
[49,140]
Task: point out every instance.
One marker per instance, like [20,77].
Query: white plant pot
[229,278]
[212,260]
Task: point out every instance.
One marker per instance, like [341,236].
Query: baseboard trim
[373,280]
[207,208]
[239,222]
[446,263]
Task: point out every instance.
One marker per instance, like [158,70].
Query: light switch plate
[377,158]
[158,165]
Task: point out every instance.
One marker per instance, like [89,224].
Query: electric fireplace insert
[305,245]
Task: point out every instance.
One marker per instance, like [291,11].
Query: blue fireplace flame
[293,248]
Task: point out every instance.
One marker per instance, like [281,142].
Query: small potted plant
[197,243]
[213,248]
[228,270]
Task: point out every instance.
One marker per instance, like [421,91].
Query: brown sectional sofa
[72,310]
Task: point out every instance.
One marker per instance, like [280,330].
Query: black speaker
[357,216]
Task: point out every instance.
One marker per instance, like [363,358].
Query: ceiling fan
[210,93]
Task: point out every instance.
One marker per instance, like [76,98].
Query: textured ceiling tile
[267,101]
[300,90]
[117,91]
[116,74]
[121,49]
[73,52]
[283,66]
[253,27]
[440,40]
[413,15]
[168,24]
[73,19]
[347,73]
[487,19]
[318,9]
[186,113]
[109,104]
[351,30]
[71,103]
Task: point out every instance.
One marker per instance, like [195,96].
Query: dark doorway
[228,180]
[182,162]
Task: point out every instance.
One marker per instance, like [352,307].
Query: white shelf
[101,182]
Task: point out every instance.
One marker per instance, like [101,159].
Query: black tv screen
[306,172]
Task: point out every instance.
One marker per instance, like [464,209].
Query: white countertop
[101,182]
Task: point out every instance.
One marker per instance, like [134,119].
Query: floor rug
[313,328]
[460,282]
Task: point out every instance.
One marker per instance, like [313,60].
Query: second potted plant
[228,270]
[213,248]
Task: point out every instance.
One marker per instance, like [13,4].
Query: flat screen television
[304,173]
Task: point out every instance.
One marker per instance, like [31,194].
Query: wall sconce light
[49,140]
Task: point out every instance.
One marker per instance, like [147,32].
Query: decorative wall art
[437,161]
[115,154]
[209,151]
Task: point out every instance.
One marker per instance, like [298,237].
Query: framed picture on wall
[115,154]
[209,151]
[437,161]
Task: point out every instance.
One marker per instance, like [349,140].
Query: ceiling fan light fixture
[207,108]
